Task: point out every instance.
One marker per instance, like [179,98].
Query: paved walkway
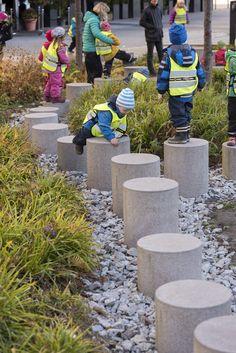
[132,35]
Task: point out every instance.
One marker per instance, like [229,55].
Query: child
[42,55]
[72,34]
[180,74]
[179,13]
[220,54]
[106,120]
[139,76]
[230,67]
[5,31]
[55,63]
[110,52]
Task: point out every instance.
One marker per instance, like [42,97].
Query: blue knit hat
[144,71]
[177,34]
[125,99]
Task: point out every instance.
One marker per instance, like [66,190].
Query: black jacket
[151,20]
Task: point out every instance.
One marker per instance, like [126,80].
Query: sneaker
[231,141]
[79,149]
[132,60]
[58,100]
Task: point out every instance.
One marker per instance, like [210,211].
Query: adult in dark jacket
[151,20]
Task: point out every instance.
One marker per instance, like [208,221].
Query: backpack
[230,66]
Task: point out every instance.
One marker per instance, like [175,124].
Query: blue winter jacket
[179,53]
[92,31]
[73,27]
[104,119]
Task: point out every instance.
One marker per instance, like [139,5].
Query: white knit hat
[125,99]
[58,32]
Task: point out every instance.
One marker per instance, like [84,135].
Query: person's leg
[159,48]
[108,67]
[179,120]
[80,139]
[125,57]
[72,45]
[46,91]
[150,47]
[232,121]
[93,66]
[188,109]
[56,87]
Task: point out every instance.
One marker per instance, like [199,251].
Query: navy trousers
[180,112]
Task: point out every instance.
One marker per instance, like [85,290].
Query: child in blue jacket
[180,74]
[72,34]
[106,120]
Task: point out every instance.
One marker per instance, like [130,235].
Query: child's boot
[231,141]
[79,149]
[181,136]
[58,100]
[188,133]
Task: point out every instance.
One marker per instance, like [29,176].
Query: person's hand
[114,142]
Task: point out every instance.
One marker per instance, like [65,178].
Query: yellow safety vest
[70,29]
[183,80]
[101,47]
[181,16]
[44,52]
[51,61]
[137,76]
[118,125]
[230,79]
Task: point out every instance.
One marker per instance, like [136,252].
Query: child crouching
[106,120]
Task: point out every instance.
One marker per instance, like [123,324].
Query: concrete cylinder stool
[181,306]
[39,118]
[150,206]
[228,161]
[99,81]
[167,257]
[188,164]
[68,159]
[44,136]
[75,90]
[130,166]
[130,69]
[99,154]
[63,107]
[44,109]
[216,335]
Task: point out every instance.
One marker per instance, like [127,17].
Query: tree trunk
[79,53]
[207,6]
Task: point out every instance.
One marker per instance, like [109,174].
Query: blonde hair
[102,9]
[180,1]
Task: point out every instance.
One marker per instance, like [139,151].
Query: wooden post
[207,7]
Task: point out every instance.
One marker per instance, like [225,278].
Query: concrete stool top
[150,184]
[231,147]
[40,115]
[193,142]
[218,334]
[169,243]
[66,139]
[135,158]
[49,126]
[44,109]
[103,141]
[193,294]
[134,68]
[79,84]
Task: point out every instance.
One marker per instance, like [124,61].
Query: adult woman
[91,32]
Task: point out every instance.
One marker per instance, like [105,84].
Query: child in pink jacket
[55,63]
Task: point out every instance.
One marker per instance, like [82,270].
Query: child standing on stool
[55,63]
[179,14]
[180,74]
[106,120]
[42,56]
[230,67]
[110,52]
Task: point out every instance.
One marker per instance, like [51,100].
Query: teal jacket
[92,31]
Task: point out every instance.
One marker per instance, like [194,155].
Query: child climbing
[111,52]
[231,93]
[106,120]
[179,13]
[55,63]
[180,74]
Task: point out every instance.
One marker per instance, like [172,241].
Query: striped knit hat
[125,99]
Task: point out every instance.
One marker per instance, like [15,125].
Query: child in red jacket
[220,54]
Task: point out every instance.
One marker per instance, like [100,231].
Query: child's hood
[88,15]
[112,104]
[183,55]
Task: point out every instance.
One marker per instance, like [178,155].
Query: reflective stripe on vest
[101,47]
[181,16]
[137,76]
[183,80]
[50,61]
[118,125]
